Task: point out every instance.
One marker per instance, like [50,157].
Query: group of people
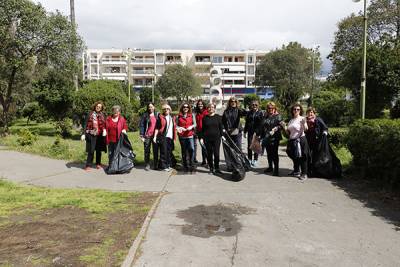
[202,125]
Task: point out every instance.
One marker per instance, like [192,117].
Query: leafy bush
[58,148]
[333,108]
[249,98]
[109,92]
[26,137]
[64,127]
[395,110]
[337,136]
[375,146]
[133,122]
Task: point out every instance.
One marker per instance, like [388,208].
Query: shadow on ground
[380,203]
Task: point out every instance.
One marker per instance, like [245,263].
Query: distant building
[146,66]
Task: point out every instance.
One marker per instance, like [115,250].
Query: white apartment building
[145,66]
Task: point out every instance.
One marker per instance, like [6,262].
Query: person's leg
[195,139]
[303,165]
[216,148]
[98,157]
[184,153]
[146,145]
[169,143]
[163,153]
[296,163]
[209,147]
[89,159]
[249,151]
[155,154]
[275,159]
[270,152]
[190,150]
[111,150]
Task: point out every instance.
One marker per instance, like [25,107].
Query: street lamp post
[129,54]
[364,60]
[310,101]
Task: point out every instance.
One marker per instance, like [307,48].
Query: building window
[250,59]
[217,59]
[202,58]
[250,70]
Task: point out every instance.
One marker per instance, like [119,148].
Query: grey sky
[207,24]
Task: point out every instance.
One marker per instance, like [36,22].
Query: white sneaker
[167,169]
[255,163]
[303,177]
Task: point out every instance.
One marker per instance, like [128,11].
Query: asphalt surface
[205,220]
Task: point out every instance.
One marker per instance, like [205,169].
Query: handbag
[256,145]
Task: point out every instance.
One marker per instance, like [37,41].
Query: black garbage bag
[235,158]
[325,162]
[122,161]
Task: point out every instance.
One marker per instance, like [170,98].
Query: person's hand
[155,139]
[201,141]
[271,132]
[123,131]
[283,124]
[179,129]
[83,137]
[190,127]
[142,138]
[223,138]
[104,132]
[325,133]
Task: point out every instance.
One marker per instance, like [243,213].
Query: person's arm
[194,121]
[225,121]
[156,129]
[142,126]
[323,126]
[246,125]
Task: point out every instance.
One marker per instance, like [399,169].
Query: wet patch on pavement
[214,220]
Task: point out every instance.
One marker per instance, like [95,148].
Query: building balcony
[142,61]
[113,61]
[114,74]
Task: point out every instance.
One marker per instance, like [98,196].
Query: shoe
[267,170]
[303,177]
[167,169]
[275,173]
[87,168]
[203,163]
[195,161]
[99,166]
[147,167]
[293,173]
[255,163]
[217,171]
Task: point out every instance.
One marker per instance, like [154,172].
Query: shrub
[64,127]
[337,136]
[58,148]
[375,146]
[133,122]
[26,137]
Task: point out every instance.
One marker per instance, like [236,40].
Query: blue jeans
[187,150]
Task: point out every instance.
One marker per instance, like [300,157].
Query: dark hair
[197,109]
[95,105]
[309,109]
[187,104]
[148,105]
[294,106]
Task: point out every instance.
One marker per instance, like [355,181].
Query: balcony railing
[143,61]
[113,60]
[143,71]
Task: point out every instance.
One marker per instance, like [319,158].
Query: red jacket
[121,125]
[185,123]
[199,119]
[100,120]
[162,122]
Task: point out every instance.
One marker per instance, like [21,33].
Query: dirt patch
[71,236]
[215,220]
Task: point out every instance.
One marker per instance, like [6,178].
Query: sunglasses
[296,109]
[185,106]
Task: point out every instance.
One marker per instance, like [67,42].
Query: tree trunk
[5,101]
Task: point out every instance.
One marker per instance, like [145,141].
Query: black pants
[272,155]
[187,151]
[249,151]
[111,150]
[237,139]
[166,146]
[148,142]
[90,156]
[301,164]
[213,147]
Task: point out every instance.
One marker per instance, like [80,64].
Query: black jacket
[145,121]
[231,118]
[253,120]
[269,122]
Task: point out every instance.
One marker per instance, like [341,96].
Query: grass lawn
[71,149]
[46,227]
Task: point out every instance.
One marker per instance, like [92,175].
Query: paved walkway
[261,221]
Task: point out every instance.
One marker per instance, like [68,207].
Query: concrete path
[206,220]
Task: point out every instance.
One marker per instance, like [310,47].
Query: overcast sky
[207,24]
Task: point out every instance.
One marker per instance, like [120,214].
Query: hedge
[337,136]
[375,145]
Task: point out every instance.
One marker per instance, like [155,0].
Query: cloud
[207,24]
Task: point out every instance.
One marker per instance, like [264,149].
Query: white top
[170,127]
[296,127]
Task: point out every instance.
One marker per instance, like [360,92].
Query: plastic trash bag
[122,161]
[256,145]
[235,158]
[324,162]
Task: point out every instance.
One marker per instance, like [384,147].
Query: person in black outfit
[231,122]
[270,134]
[147,127]
[316,129]
[253,119]
[212,132]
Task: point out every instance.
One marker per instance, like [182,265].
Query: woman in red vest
[164,135]
[201,111]
[185,126]
[115,125]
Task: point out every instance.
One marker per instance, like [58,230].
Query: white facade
[237,67]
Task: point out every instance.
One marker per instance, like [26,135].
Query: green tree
[29,39]
[109,92]
[180,82]
[383,55]
[289,71]
[145,96]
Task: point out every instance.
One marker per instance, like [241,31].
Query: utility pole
[72,18]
